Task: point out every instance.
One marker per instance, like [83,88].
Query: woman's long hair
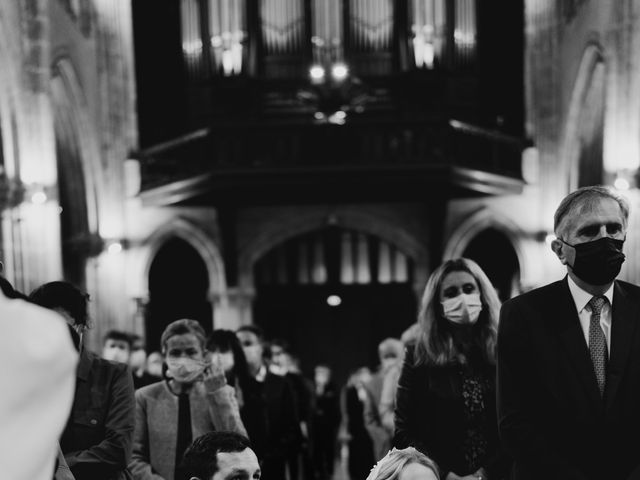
[435,344]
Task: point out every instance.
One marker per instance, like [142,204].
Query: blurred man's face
[224,360]
[116,350]
[388,360]
[252,348]
[154,364]
[322,375]
[237,466]
[277,355]
[138,358]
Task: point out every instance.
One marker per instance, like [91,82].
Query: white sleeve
[37,377]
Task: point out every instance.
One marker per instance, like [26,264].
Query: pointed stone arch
[486,219]
[199,239]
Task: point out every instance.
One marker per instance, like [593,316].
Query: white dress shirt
[581,299]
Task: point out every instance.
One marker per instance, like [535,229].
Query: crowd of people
[546,385]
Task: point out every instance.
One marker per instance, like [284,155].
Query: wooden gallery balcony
[284,163]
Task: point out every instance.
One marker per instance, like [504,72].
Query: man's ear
[558,248]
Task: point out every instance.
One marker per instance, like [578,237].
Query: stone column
[232,308]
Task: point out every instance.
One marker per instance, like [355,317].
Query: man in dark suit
[569,354]
[270,413]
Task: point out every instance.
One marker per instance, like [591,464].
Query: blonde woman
[405,464]
[445,400]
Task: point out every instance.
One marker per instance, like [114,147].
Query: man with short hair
[569,354]
[116,346]
[275,430]
[221,456]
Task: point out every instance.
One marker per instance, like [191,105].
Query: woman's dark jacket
[449,413]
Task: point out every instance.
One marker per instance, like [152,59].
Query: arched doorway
[178,288]
[334,294]
[492,250]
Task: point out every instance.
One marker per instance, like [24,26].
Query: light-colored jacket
[154,442]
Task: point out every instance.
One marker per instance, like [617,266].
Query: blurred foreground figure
[98,437]
[405,464]
[38,376]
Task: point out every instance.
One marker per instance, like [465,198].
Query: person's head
[154,364]
[220,456]
[322,375]
[116,346]
[590,225]
[458,294]
[279,354]
[226,350]
[184,347]
[405,464]
[252,340]
[138,357]
[390,352]
[69,301]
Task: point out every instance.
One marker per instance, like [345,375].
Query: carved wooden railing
[272,148]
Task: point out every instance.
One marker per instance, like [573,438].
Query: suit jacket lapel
[623,324]
[572,338]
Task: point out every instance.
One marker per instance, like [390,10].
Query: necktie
[598,342]
[184,432]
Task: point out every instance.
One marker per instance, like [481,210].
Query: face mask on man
[185,370]
[463,309]
[598,262]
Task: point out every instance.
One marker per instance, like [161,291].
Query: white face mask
[463,309]
[115,354]
[185,370]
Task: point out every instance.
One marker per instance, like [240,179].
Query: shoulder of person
[629,288]
[116,368]
[153,390]
[535,296]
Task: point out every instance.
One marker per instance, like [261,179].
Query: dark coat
[552,417]
[431,416]
[270,416]
[97,440]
